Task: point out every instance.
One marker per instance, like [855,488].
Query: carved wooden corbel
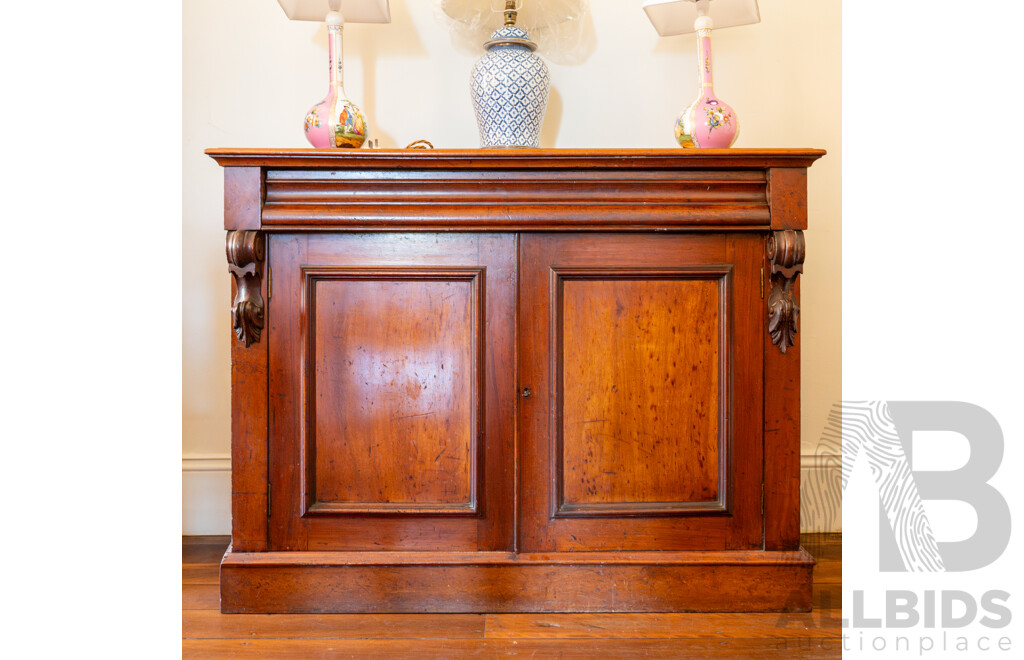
[245,250]
[786,257]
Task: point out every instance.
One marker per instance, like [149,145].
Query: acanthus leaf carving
[245,251]
[786,251]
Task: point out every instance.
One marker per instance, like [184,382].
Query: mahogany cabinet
[527,380]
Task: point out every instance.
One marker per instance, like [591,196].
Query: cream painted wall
[249,75]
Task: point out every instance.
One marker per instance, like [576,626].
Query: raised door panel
[643,428]
[641,368]
[393,389]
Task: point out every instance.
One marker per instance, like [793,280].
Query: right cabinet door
[640,367]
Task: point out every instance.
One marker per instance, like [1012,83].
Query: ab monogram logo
[880,435]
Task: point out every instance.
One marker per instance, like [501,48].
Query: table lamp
[510,84]
[708,122]
[336,122]
[562,29]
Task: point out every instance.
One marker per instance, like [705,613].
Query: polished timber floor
[206,633]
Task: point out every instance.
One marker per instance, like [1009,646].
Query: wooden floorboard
[589,649]
[823,546]
[203,549]
[647,626]
[200,574]
[828,571]
[825,596]
[206,624]
[200,597]
[206,633]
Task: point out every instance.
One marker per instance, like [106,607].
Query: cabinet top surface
[517,158]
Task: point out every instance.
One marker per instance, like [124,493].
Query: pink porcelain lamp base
[708,122]
[335,122]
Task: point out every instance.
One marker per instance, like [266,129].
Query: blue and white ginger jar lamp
[510,86]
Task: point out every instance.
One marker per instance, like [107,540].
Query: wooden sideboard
[515,380]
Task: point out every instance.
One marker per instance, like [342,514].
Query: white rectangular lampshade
[672,17]
[354,11]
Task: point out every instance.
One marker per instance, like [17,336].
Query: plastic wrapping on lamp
[562,29]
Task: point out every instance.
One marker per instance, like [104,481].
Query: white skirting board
[206,494]
[821,493]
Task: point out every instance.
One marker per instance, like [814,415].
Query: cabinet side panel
[782,441]
[787,195]
[243,197]
[249,442]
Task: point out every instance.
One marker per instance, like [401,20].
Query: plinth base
[410,582]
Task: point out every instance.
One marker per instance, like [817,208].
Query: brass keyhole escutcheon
[526,392]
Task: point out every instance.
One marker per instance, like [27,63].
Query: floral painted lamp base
[335,122]
[709,122]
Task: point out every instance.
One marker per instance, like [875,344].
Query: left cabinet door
[392,391]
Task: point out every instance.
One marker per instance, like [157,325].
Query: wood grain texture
[782,442]
[243,197]
[330,586]
[524,199]
[537,189]
[208,633]
[200,596]
[213,625]
[498,159]
[557,466]
[787,195]
[784,261]
[671,625]
[640,371]
[196,574]
[613,649]
[203,549]
[464,278]
[829,571]
[396,388]
[736,523]
[249,419]
[798,558]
